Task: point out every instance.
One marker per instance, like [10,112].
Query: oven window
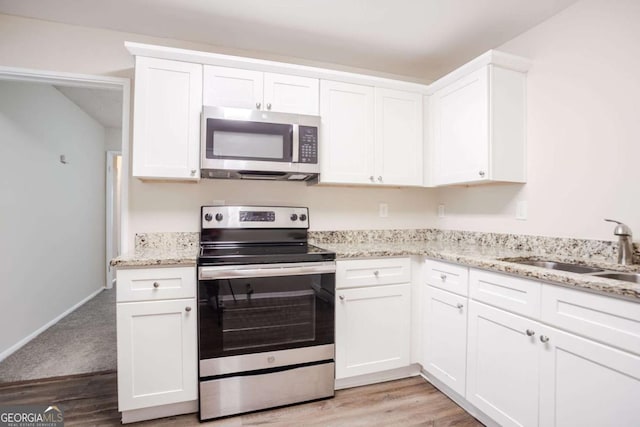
[240,316]
[240,140]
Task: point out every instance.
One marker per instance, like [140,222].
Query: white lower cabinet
[157,343]
[584,383]
[503,367]
[372,329]
[445,337]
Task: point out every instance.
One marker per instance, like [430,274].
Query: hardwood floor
[92,400]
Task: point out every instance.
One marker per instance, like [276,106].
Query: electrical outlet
[440,211]
[521,210]
[384,210]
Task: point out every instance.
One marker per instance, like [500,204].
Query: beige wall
[583,130]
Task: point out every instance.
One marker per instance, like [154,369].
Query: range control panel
[308,143]
[254,217]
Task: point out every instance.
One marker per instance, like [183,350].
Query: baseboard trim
[17,346]
[378,377]
[459,400]
[135,415]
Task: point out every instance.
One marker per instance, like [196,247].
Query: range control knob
[303,217]
[208,217]
[219,216]
[294,217]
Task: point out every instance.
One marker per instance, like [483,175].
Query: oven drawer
[248,392]
[148,284]
[372,272]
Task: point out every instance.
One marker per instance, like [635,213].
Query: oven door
[266,307]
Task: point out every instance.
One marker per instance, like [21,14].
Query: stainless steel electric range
[266,310]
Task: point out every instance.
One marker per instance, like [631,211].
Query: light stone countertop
[164,249]
[490,258]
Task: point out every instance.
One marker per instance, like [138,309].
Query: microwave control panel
[308,144]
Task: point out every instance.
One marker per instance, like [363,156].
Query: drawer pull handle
[443,277]
[156,285]
[530,333]
[187,309]
[544,338]
[459,305]
[376,273]
[341,297]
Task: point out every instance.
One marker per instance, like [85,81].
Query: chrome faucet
[625,244]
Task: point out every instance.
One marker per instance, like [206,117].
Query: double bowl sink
[580,269]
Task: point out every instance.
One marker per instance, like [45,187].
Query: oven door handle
[210,273]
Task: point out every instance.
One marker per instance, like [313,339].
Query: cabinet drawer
[517,295]
[156,283]
[371,272]
[608,320]
[450,277]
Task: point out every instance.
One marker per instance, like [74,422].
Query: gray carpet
[84,341]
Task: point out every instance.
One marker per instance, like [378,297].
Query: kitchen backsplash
[566,247]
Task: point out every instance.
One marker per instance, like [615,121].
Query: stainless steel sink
[573,268]
[627,277]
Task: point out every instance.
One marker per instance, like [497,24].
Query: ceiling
[103,105]
[422,39]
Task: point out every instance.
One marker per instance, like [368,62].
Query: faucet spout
[625,242]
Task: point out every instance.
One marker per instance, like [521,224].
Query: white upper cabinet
[478,126]
[346,137]
[166,125]
[234,87]
[398,138]
[370,135]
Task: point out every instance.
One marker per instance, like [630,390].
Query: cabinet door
[584,383]
[372,329]
[291,94]
[166,126]
[445,337]
[232,87]
[157,353]
[461,130]
[347,144]
[398,137]
[502,365]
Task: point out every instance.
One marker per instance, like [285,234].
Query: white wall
[583,130]
[176,207]
[52,214]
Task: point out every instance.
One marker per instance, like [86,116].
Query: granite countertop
[499,259]
[154,256]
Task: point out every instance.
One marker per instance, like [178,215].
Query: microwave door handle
[295,145]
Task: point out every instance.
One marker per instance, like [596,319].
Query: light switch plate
[441,211]
[384,210]
[521,210]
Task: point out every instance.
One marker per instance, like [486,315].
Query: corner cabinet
[370,135]
[373,316]
[157,338]
[478,127]
[166,125]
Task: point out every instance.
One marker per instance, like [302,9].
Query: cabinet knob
[376,273]
[530,333]
[481,173]
[544,338]
[459,306]
[187,309]
[341,297]
[258,105]
[372,178]
[156,285]
[379,179]
[269,106]
[443,277]
[193,172]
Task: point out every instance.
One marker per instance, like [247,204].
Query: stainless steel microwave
[252,144]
